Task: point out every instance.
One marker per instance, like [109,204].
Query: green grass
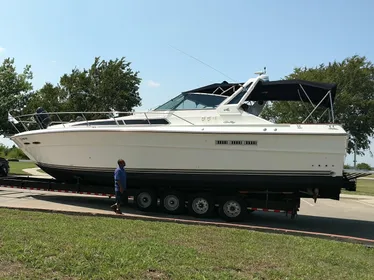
[55,246]
[364,187]
[16,167]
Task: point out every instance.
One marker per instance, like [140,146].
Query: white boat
[211,136]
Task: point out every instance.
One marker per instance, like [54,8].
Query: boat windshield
[192,101]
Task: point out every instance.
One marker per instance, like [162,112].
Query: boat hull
[246,159]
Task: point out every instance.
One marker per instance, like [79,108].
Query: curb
[336,237]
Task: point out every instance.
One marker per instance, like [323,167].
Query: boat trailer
[281,201]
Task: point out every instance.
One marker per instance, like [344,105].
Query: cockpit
[210,97]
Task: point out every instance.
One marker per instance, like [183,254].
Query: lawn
[17,166]
[364,187]
[37,245]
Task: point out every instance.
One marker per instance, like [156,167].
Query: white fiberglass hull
[195,149]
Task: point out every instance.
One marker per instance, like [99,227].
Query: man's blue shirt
[120,175]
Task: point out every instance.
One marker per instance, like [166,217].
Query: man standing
[119,185]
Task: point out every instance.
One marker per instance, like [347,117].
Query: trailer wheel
[173,202]
[146,200]
[233,209]
[201,205]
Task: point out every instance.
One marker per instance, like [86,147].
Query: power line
[204,63]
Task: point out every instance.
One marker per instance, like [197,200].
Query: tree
[105,86]
[363,166]
[49,96]
[354,102]
[15,90]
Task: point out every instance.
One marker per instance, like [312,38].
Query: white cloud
[53,61]
[153,84]
[2,49]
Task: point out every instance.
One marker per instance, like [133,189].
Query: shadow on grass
[267,222]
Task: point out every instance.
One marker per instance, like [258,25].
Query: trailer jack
[315,194]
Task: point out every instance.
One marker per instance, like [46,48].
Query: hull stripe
[192,171]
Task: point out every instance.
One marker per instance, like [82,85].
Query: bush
[363,166]
[12,153]
[3,150]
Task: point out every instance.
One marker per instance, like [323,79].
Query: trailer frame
[231,203]
[266,201]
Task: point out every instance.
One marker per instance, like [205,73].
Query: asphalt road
[347,217]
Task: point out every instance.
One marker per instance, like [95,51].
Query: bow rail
[43,119]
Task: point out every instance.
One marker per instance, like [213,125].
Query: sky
[237,38]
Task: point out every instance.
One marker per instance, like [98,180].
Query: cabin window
[145,121]
[135,121]
[123,122]
[103,123]
[158,121]
[97,123]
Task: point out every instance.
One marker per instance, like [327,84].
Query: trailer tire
[173,202]
[201,205]
[146,200]
[232,209]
